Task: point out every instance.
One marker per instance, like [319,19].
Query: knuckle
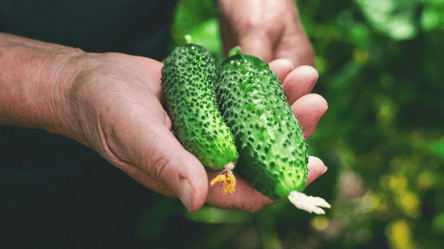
[159,167]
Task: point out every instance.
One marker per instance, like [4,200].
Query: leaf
[394,18]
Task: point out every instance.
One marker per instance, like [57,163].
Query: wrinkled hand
[269,29]
[115,108]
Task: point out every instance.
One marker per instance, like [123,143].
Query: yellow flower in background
[398,183]
[371,201]
[319,222]
[410,204]
[425,180]
[399,235]
[360,55]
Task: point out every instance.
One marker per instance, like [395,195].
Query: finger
[309,109]
[315,169]
[281,67]
[299,83]
[245,197]
[295,46]
[257,43]
[179,170]
[164,165]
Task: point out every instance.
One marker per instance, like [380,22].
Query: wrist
[35,82]
[56,111]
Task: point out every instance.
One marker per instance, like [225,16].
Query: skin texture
[111,102]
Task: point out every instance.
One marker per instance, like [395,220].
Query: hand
[265,28]
[115,108]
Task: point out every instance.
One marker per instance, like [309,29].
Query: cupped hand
[268,29]
[115,108]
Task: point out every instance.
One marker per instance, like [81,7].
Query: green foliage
[198,19]
[381,71]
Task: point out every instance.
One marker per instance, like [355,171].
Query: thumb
[257,43]
[167,168]
[185,175]
[181,171]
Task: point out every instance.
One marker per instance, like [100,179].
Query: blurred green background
[381,69]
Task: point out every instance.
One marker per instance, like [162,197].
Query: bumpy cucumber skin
[190,99]
[272,151]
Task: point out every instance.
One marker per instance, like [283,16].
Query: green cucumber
[190,100]
[272,151]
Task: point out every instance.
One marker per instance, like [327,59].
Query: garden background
[381,66]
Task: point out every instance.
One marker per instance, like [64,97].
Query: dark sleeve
[32,162]
[127,26]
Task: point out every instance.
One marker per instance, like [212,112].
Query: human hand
[115,108]
[268,29]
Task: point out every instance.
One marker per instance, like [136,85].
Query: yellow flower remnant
[229,182]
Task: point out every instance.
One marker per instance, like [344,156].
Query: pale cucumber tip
[308,203]
[229,166]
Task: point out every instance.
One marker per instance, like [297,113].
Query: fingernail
[325,170]
[312,103]
[185,193]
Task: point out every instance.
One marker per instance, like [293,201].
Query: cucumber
[190,100]
[272,151]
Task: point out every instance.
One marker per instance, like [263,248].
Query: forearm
[34,83]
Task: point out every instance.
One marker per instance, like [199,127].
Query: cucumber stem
[308,203]
[235,51]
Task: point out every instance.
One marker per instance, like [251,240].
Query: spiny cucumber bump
[190,100]
[273,154]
